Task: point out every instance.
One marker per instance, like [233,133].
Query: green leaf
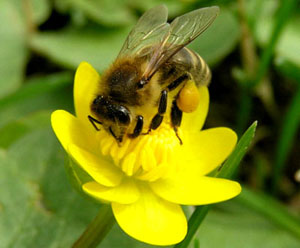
[18,19]
[38,206]
[227,171]
[288,69]
[277,214]
[231,225]
[77,176]
[16,129]
[35,11]
[219,39]
[35,97]
[109,13]
[175,8]
[232,163]
[38,85]
[40,10]
[288,45]
[70,47]
[12,48]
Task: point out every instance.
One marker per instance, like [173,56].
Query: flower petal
[125,193]
[99,168]
[204,151]
[151,219]
[192,190]
[86,85]
[195,120]
[69,130]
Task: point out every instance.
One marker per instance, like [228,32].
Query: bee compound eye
[123,115]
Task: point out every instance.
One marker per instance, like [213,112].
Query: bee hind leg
[162,107]
[176,117]
[93,121]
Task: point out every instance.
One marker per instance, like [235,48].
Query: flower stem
[97,229]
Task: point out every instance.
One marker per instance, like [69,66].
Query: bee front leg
[176,117]
[93,121]
[138,127]
[162,107]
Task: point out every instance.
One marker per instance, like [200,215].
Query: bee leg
[162,107]
[93,121]
[138,127]
[118,139]
[176,117]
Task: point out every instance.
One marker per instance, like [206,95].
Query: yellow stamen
[146,157]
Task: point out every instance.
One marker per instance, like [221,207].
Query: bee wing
[150,29]
[183,30]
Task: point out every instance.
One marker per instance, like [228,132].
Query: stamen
[146,157]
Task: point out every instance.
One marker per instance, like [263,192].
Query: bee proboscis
[154,74]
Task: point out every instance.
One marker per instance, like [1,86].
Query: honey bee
[153,74]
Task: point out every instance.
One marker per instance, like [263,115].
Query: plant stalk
[97,229]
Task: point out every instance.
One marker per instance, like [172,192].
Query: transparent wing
[150,29]
[183,30]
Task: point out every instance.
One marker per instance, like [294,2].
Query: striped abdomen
[189,61]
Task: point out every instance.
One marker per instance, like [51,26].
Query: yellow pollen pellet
[189,98]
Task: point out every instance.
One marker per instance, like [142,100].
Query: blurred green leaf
[175,8]
[38,85]
[34,97]
[40,10]
[271,209]
[17,19]
[70,47]
[109,13]
[287,136]
[12,48]
[38,208]
[77,176]
[16,129]
[36,11]
[231,225]
[288,45]
[288,69]
[218,40]
[285,10]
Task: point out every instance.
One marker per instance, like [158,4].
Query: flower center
[146,157]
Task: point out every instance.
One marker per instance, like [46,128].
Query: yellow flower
[147,178]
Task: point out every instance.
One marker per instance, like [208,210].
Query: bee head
[115,118]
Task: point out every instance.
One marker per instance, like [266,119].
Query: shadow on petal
[151,219]
[125,193]
[99,168]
